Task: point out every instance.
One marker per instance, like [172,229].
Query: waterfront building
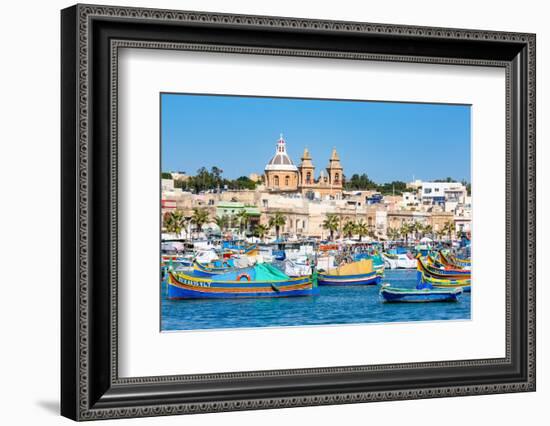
[232,210]
[440,192]
[283,176]
[410,198]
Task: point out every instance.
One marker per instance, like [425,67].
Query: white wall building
[442,192]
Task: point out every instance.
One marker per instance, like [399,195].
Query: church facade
[283,176]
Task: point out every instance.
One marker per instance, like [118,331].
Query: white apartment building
[442,192]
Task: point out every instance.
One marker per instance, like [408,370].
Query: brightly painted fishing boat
[377,261]
[442,273]
[215,267]
[236,247]
[355,273]
[465,284]
[425,295]
[259,281]
[176,260]
[453,262]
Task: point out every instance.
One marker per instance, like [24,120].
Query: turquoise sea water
[334,305]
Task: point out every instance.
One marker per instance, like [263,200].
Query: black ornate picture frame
[91,36]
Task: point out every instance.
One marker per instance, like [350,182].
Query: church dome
[281,161]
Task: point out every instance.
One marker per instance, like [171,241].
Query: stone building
[283,176]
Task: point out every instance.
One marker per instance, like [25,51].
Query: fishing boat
[218,267]
[259,281]
[239,247]
[399,260]
[434,272]
[377,261]
[464,284]
[424,295]
[354,273]
[176,260]
[453,262]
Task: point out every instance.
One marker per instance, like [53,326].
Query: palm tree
[174,222]
[331,223]
[361,229]
[449,228]
[230,221]
[428,230]
[222,222]
[393,233]
[277,222]
[200,217]
[243,218]
[261,231]
[349,229]
[405,230]
[417,229]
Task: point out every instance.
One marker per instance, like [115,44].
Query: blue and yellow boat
[422,295]
[454,262]
[441,273]
[354,273]
[464,284]
[216,267]
[259,281]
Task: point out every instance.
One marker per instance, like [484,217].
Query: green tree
[349,229]
[200,217]
[428,231]
[261,231]
[449,228]
[417,228]
[243,219]
[361,229]
[166,175]
[174,222]
[393,233]
[222,222]
[331,223]
[405,230]
[277,222]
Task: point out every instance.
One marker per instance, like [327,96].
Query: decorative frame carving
[84,397]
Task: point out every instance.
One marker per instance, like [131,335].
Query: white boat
[398,261]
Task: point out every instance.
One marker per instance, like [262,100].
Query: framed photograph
[263,212]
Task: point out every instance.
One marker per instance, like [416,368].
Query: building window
[276,180]
[308,177]
[287,180]
[427,190]
[264,203]
[336,177]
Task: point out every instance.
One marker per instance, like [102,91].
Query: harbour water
[333,306]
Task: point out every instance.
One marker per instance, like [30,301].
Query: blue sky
[388,141]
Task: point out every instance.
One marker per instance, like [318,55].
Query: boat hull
[345,280]
[419,296]
[189,287]
[465,285]
[441,273]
